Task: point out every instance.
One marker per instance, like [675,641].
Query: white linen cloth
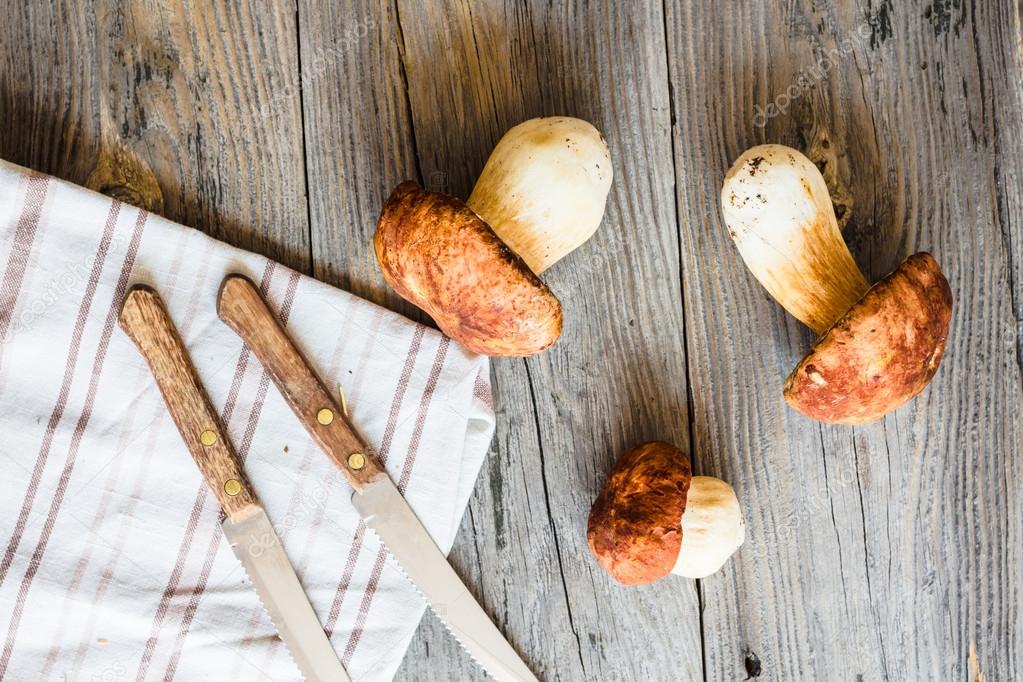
[113,564]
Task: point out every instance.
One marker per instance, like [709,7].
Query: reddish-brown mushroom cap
[439,255]
[635,528]
[881,353]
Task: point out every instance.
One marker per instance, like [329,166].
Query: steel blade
[386,512]
[257,546]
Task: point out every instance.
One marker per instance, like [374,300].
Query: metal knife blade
[259,549]
[385,511]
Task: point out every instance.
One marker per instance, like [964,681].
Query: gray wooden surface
[888,551]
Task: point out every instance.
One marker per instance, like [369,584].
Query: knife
[376,498]
[246,526]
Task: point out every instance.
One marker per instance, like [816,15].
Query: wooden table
[893,550]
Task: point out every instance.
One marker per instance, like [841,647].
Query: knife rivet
[325,416]
[232,486]
[356,460]
[208,437]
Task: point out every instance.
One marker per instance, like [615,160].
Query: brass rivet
[208,437]
[356,460]
[325,416]
[232,486]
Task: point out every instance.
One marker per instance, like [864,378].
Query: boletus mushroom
[474,266]
[653,517]
[878,346]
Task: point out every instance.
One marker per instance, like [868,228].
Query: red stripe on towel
[481,391]
[21,247]
[80,426]
[65,389]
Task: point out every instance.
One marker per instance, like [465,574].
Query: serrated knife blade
[259,549]
[387,514]
[381,505]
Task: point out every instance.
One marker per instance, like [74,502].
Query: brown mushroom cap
[881,353]
[635,526]
[439,255]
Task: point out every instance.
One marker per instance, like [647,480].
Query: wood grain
[887,551]
[189,109]
[145,320]
[362,142]
[241,307]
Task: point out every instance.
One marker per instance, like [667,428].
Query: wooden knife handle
[241,306]
[144,318]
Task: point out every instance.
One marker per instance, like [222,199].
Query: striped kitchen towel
[113,565]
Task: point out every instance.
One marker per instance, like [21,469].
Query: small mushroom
[653,517]
[474,266]
[878,346]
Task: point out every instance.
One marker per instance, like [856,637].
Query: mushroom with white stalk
[653,517]
[474,267]
[878,346]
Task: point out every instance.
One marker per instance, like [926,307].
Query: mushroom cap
[881,353]
[635,526]
[439,255]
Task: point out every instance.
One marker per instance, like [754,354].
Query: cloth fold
[113,565]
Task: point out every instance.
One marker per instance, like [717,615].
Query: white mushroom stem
[778,210]
[544,187]
[712,528]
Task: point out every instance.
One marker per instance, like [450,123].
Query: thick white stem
[544,187]
[778,211]
[712,528]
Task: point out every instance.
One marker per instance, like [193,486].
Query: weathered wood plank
[360,137]
[893,550]
[166,106]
